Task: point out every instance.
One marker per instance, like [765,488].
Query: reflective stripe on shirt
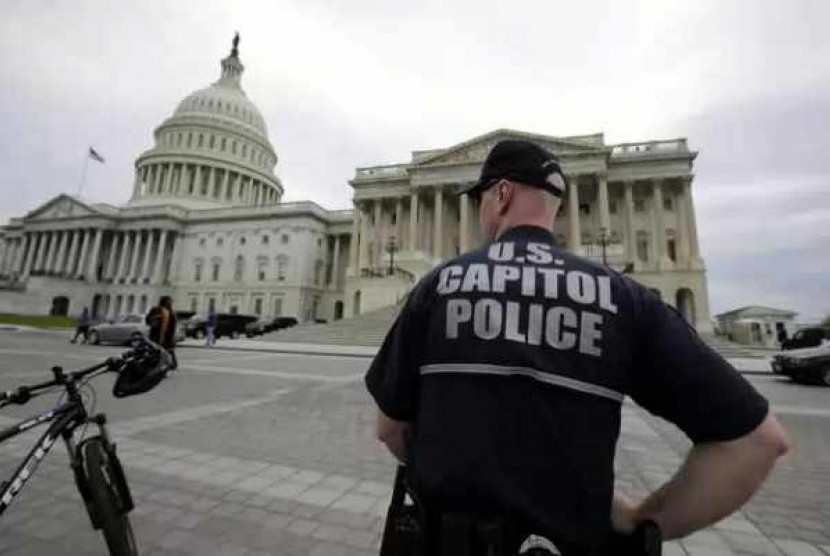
[535,374]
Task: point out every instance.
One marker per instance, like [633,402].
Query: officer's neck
[508,223]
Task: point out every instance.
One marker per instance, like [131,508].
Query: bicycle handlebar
[22,394]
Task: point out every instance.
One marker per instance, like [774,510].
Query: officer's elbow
[771,434]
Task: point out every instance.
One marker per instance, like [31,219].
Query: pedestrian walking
[210,328]
[82,326]
[162,322]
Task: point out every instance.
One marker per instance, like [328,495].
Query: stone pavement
[258,453]
[199,501]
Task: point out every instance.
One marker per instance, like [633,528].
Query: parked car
[119,331]
[124,329]
[227,325]
[263,326]
[810,365]
[806,337]
[284,322]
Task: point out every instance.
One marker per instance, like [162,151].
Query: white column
[133,273]
[574,231]
[182,187]
[378,232]
[236,188]
[438,240]
[50,253]
[31,243]
[60,260]
[364,241]
[226,180]
[630,239]
[145,265]
[92,267]
[602,199]
[71,261]
[162,247]
[84,250]
[353,244]
[413,221]
[659,225]
[174,258]
[137,184]
[683,239]
[7,251]
[41,251]
[109,271]
[694,246]
[168,178]
[464,224]
[335,263]
[197,180]
[398,224]
[125,248]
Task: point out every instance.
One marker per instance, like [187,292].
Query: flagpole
[83,174]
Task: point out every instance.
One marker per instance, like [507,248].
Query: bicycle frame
[64,419]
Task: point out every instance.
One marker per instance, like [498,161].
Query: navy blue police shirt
[512,363]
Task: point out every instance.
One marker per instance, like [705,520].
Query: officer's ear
[506,190]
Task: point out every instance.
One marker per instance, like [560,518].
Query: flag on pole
[95,156]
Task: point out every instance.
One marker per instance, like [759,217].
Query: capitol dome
[214,150]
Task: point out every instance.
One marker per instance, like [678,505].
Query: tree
[826,322]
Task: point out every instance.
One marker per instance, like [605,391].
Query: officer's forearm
[716,479]
[393,434]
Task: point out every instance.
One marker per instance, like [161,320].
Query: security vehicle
[809,365]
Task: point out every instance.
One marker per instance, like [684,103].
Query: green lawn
[41,321]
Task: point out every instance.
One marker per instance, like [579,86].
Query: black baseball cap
[523,162]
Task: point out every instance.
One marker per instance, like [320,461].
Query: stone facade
[205,223]
[630,204]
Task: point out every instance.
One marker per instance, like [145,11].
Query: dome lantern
[232,67]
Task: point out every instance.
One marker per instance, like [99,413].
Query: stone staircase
[368,329]
[727,348]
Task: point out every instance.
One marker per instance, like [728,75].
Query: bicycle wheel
[105,499]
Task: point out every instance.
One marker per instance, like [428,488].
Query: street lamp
[391,248]
[603,241]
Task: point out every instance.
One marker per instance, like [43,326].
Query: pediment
[62,206]
[475,150]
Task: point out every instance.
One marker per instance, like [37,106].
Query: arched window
[261,268]
[190,139]
[212,143]
[201,141]
[219,105]
[197,270]
[233,147]
[244,150]
[223,145]
[239,268]
[215,269]
[282,267]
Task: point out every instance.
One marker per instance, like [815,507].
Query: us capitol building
[207,225]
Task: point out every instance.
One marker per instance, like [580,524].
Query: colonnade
[218,183]
[435,212]
[93,254]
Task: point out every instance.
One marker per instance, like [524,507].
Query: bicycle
[98,474]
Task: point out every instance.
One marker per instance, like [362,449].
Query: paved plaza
[255,452]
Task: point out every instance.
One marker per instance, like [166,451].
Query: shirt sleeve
[678,377]
[393,378]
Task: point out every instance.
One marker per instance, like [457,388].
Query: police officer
[501,383]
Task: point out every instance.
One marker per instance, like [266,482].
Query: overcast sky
[357,83]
